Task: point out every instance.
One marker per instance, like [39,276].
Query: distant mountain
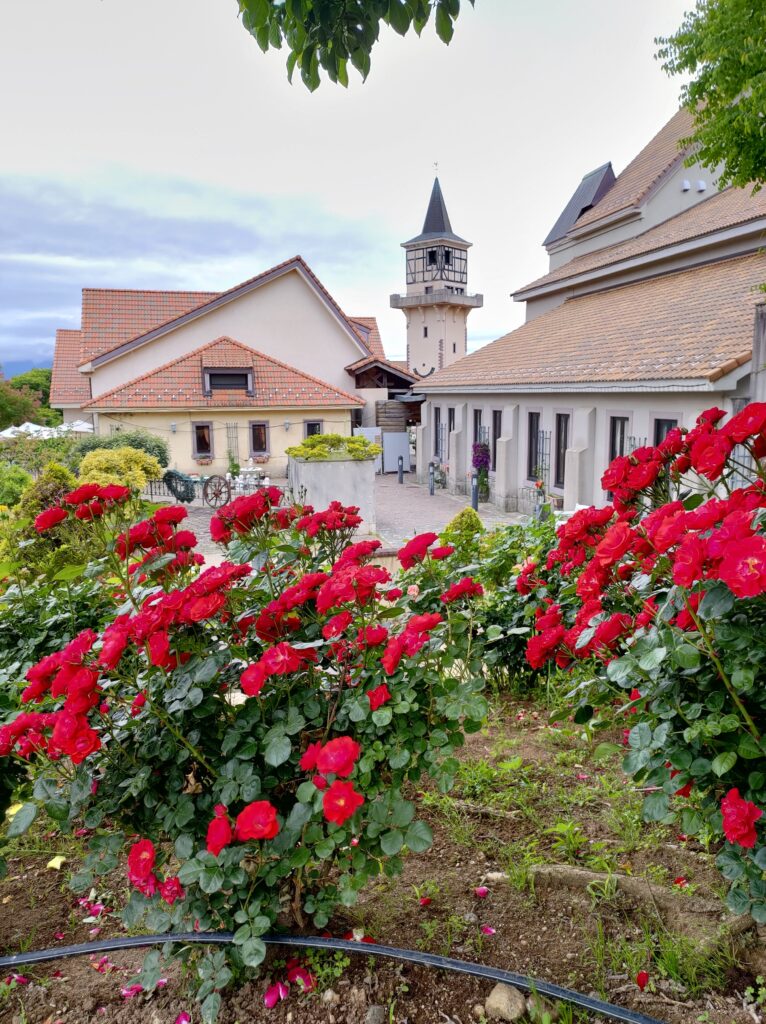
[11,367]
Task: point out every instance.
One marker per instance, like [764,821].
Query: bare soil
[551,934]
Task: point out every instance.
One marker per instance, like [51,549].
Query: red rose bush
[664,592]
[242,734]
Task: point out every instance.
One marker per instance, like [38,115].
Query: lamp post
[401,469]
[475,492]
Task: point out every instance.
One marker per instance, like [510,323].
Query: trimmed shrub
[320,447]
[13,481]
[130,467]
[140,439]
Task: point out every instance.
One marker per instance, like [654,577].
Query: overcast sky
[150,143]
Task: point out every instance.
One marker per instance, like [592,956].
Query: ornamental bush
[248,734]
[140,439]
[667,599]
[13,481]
[320,447]
[130,467]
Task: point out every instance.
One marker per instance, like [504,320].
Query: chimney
[758,366]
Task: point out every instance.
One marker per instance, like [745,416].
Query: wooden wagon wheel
[216,491]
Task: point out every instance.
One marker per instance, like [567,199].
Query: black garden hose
[444,963]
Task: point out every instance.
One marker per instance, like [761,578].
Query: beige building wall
[445,342]
[286,428]
[283,318]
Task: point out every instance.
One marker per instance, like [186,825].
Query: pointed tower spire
[437,218]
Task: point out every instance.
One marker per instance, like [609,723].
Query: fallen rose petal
[425,901]
[183,1018]
[681,882]
[129,991]
[481,892]
[59,935]
[487,929]
[642,979]
[274,994]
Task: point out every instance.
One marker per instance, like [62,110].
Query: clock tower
[436,303]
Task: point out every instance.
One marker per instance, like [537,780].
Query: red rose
[335,626]
[689,560]
[340,802]
[372,636]
[393,594]
[466,587]
[393,654]
[114,493]
[115,640]
[308,761]
[378,696]
[747,423]
[540,648]
[86,742]
[83,494]
[170,514]
[616,541]
[252,679]
[338,756]
[444,552]
[50,517]
[219,532]
[172,890]
[739,818]
[141,858]
[138,702]
[743,568]
[709,455]
[203,607]
[219,833]
[257,821]
[415,550]
[90,511]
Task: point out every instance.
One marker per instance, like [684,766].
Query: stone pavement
[402,510]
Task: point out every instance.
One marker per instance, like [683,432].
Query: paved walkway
[402,511]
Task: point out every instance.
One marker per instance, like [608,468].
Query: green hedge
[141,439]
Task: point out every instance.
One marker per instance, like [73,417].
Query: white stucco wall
[589,425]
[283,318]
[352,482]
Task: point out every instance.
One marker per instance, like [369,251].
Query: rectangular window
[533,445]
[227,379]
[202,440]
[618,436]
[437,432]
[432,257]
[450,425]
[662,428]
[562,443]
[497,429]
[259,438]
[311,427]
[428,289]
[425,332]
[447,257]
[476,426]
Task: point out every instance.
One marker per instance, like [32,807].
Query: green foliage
[33,453]
[326,447]
[140,439]
[129,467]
[332,36]
[463,529]
[37,384]
[47,553]
[721,47]
[13,480]
[15,406]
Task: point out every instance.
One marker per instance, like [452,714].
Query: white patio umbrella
[79,427]
[9,433]
[31,428]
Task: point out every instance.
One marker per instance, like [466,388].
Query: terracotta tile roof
[371,336]
[726,209]
[397,366]
[111,316]
[635,182]
[68,385]
[213,299]
[692,324]
[179,384]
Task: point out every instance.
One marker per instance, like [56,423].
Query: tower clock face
[437,263]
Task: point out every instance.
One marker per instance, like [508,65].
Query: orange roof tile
[642,173]
[692,324]
[180,383]
[398,366]
[371,336]
[68,385]
[111,316]
[725,209]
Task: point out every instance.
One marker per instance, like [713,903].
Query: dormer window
[227,379]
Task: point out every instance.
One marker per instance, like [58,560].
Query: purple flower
[480,458]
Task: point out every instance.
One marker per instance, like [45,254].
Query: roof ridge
[297,260]
[209,344]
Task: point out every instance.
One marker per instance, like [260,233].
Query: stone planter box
[350,481]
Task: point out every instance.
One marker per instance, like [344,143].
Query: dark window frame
[437,429]
[668,421]
[196,453]
[533,443]
[613,433]
[313,432]
[267,430]
[478,415]
[209,372]
[450,424]
[497,433]
[562,419]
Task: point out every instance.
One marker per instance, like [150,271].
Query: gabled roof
[644,171]
[111,316]
[214,300]
[591,189]
[694,324]
[727,209]
[397,367]
[370,334]
[68,385]
[179,383]
[437,224]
